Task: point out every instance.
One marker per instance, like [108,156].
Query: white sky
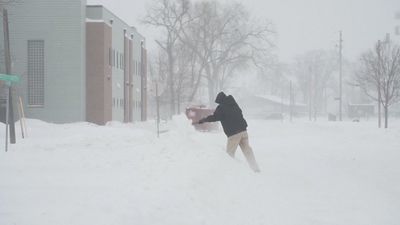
[301,24]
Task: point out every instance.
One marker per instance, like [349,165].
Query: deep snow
[313,173]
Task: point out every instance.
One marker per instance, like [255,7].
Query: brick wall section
[98,73]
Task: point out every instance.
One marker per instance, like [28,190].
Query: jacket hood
[220,97]
[226,100]
[229,100]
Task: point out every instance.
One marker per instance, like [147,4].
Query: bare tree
[272,76]
[184,80]
[225,40]
[314,70]
[390,86]
[168,15]
[368,77]
[205,41]
[379,75]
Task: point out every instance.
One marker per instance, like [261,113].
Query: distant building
[77,62]
[269,106]
[360,110]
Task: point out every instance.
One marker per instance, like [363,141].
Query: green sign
[9,78]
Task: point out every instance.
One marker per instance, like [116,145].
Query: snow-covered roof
[278,100]
[362,104]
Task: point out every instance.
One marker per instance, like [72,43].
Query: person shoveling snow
[230,115]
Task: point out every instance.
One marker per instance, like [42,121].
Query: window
[109,57]
[36,73]
[117,59]
[140,69]
[113,57]
[122,61]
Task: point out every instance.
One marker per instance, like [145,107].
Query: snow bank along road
[313,173]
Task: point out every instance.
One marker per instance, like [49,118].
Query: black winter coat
[230,115]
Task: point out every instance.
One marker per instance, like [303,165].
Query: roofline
[133,28]
[112,13]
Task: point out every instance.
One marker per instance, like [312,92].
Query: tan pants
[242,139]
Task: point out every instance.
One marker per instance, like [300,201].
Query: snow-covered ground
[313,173]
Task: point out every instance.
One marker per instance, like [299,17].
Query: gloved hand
[202,121]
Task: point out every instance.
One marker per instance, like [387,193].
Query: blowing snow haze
[300,25]
[200,112]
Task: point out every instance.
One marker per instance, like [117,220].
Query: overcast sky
[301,24]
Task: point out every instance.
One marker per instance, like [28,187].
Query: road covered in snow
[312,173]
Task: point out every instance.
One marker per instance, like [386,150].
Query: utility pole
[340,75]
[158,110]
[291,101]
[7,58]
[309,92]
[282,103]
[379,85]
